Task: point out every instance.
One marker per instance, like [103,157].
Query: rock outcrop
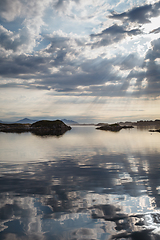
[14,127]
[113,127]
[156,130]
[46,127]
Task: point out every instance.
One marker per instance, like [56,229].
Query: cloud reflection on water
[65,192]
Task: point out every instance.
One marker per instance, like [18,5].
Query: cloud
[157,30]
[11,41]
[61,4]
[140,14]
[130,61]
[115,30]
[37,64]
[10,10]
[153,67]
[113,34]
[27,19]
[60,67]
[70,75]
[146,76]
[154,51]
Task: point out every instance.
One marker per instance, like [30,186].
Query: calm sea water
[86,184]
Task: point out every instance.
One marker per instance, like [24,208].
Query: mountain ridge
[26,120]
[66,121]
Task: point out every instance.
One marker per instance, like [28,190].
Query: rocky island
[43,127]
[156,130]
[113,127]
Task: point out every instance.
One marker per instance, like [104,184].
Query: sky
[84,60]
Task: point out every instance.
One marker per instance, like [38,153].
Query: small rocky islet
[113,127]
[43,127]
[156,130]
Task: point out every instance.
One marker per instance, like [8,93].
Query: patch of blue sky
[117,5]
[66,24]
[13,26]
[137,3]
[41,45]
[124,5]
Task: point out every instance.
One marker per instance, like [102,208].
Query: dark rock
[157,130]
[110,127]
[14,127]
[46,127]
[113,127]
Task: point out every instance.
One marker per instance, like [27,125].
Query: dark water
[86,184]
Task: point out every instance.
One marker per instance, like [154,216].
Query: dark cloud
[115,30]
[153,79]
[141,14]
[61,4]
[93,72]
[59,47]
[113,34]
[153,68]
[92,77]
[130,61]
[10,41]
[71,70]
[147,76]
[75,77]
[39,64]
[56,41]
[154,51]
[157,30]
[22,64]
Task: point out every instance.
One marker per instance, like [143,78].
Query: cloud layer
[109,53]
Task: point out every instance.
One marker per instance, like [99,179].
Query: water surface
[86,184]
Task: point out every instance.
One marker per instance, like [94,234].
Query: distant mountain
[69,122]
[26,120]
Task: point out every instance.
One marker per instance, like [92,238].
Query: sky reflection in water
[86,184]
